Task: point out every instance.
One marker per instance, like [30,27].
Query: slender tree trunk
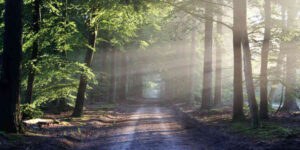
[34,54]
[123,77]
[280,59]
[113,76]
[11,75]
[103,61]
[138,76]
[78,110]
[264,63]
[102,70]
[207,70]
[138,85]
[117,77]
[192,67]
[248,67]
[290,103]
[219,52]
[238,101]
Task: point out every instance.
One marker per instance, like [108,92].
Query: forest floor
[148,126]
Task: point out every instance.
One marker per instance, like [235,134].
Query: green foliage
[30,111]
[268,131]
[57,78]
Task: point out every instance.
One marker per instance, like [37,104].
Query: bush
[29,111]
[56,106]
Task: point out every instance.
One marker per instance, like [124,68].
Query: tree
[112,90]
[238,101]
[207,68]
[192,67]
[123,77]
[92,37]
[248,67]
[264,63]
[290,103]
[35,50]
[11,74]
[219,52]
[281,56]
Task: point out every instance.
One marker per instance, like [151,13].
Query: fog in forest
[141,74]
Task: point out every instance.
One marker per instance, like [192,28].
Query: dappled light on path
[147,127]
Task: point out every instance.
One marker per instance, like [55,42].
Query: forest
[150,74]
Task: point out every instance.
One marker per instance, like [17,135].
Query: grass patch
[14,137]
[268,131]
[108,106]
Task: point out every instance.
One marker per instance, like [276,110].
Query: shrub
[57,106]
[29,111]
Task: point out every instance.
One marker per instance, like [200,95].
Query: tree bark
[34,54]
[113,76]
[123,77]
[264,63]
[192,67]
[238,101]
[248,67]
[207,68]
[11,75]
[290,103]
[92,37]
[219,53]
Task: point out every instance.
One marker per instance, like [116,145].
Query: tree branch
[198,16]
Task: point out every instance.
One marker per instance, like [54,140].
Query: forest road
[147,127]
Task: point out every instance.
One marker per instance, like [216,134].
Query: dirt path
[140,127]
[146,128]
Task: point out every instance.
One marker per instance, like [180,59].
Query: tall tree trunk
[290,103]
[11,75]
[123,77]
[34,54]
[238,100]
[248,67]
[138,76]
[103,61]
[280,59]
[138,85]
[92,37]
[113,76]
[192,67]
[207,68]
[264,63]
[219,52]
[102,70]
